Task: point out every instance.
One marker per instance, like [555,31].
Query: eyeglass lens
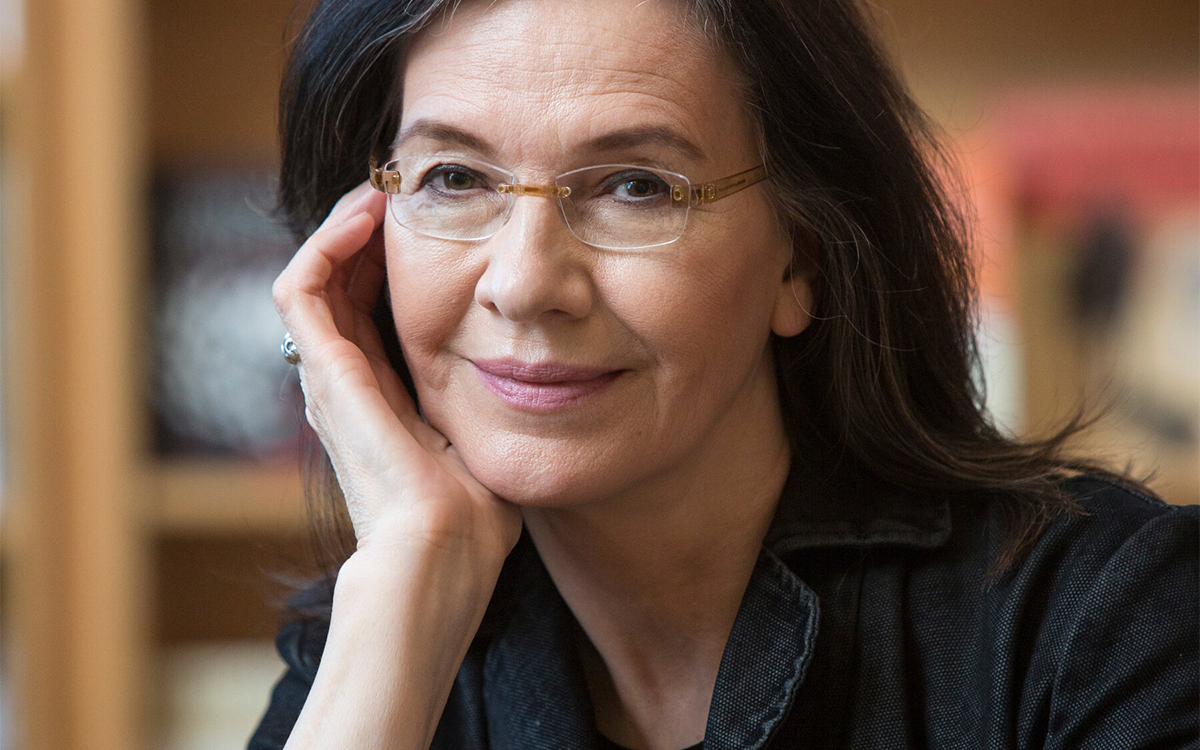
[608,206]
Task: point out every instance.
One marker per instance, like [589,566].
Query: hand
[403,481]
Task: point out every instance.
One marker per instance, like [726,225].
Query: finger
[375,205]
[361,289]
[361,200]
[341,307]
[301,292]
[393,389]
[341,296]
[317,313]
[350,413]
[403,407]
[369,273]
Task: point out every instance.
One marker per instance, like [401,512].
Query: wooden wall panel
[82,572]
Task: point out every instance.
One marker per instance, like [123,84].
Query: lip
[542,386]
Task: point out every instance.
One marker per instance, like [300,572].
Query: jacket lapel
[765,660]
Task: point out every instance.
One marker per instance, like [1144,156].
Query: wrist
[404,536]
[400,627]
[453,580]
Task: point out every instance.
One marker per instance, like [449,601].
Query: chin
[543,473]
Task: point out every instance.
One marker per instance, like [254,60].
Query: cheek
[706,307]
[431,292]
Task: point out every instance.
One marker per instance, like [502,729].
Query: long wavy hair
[884,386]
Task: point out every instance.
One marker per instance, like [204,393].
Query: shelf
[225,497]
[213,70]
[224,587]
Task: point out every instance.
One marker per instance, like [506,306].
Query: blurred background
[148,487]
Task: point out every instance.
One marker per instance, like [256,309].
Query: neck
[655,577]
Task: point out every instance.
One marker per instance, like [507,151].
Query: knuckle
[313,417]
[282,293]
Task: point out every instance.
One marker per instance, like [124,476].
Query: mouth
[542,386]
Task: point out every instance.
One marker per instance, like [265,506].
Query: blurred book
[220,385]
[1089,200]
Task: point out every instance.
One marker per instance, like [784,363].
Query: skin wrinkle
[519,163]
[463,97]
[429,137]
[563,82]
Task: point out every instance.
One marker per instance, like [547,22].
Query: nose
[535,270]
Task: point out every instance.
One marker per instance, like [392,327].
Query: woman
[698,457]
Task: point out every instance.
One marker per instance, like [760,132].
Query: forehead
[536,78]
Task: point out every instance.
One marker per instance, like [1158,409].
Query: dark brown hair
[885,383]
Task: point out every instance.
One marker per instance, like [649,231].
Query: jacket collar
[765,660]
[813,513]
[534,688]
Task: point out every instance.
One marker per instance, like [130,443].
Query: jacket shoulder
[1113,517]
[1113,520]
[1118,642]
[1110,497]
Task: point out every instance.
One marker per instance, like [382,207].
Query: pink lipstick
[542,386]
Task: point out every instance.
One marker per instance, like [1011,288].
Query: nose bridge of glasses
[517,189]
[513,190]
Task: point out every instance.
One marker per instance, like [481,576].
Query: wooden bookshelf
[207,497]
[95,525]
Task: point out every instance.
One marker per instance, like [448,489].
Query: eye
[635,186]
[453,178]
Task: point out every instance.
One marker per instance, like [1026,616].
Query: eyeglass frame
[683,196]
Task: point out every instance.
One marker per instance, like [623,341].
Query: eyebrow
[652,135]
[445,133]
[626,138]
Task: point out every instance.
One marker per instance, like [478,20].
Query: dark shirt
[607,744]
[873,622]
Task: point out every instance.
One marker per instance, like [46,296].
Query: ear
[794,299]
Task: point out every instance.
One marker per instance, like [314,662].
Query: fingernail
[356,207]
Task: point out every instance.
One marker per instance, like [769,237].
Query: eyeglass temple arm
[711,192]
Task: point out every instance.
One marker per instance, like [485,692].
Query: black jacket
[875,624]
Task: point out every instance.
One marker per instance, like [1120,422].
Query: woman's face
[564,373]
